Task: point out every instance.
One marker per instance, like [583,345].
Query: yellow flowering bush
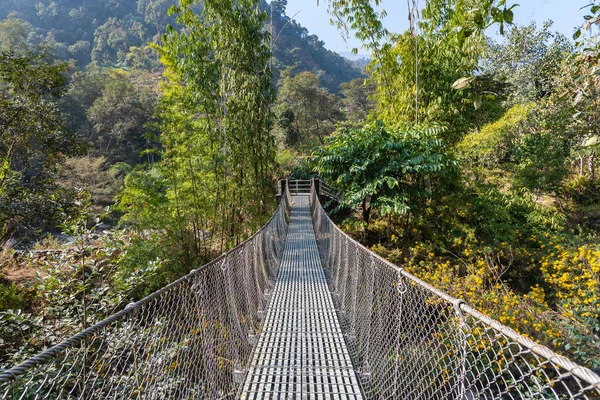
[573,278]
[533,281]
[505,254]
[561,311]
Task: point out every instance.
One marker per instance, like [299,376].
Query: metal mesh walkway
[301,352]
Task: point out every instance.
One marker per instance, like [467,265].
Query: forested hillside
[107,104]
[117,33]
[141,140]
[295,47]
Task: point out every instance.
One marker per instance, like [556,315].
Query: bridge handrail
[460,307]
[277,224]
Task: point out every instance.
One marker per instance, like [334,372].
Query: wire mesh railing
[409,340]
[190,340]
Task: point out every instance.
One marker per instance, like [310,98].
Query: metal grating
[301,352]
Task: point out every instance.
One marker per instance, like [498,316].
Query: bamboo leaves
[215,113]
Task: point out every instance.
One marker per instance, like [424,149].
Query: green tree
[307,112]
[528,60]
[119,120]
[414,72]
[357,99]
[572,111]
[385,169]
[33,142]
[533,139]
[142,58]
[84,88]
[80,52]
[155,13]
[215,122]
[13,35]
[113,40]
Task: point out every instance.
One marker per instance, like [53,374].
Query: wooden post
[280,189]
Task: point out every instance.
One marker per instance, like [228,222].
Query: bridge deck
[301,353]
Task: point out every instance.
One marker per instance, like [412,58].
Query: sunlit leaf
[462,83]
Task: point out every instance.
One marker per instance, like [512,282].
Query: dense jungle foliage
[141,139]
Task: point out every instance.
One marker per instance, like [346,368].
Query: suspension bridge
[299,311]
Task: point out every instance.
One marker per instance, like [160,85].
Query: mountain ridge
[114,33]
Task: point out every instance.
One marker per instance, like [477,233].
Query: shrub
[392,171]
[92,175]
[496,143]
[582,190]
[13,297]
[141,271]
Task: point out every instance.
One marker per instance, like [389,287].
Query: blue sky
[566,15]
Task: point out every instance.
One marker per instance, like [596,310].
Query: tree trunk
[366,211]
[366,214]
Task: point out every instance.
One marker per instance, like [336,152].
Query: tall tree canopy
[414,72]
[306,112]
[215,112]
[33,142]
